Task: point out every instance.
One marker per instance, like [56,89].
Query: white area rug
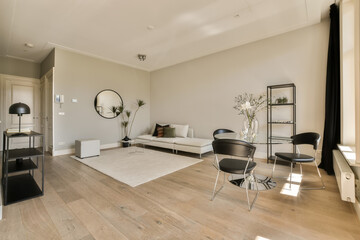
[136,168]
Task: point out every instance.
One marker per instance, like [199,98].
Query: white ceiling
[117,30]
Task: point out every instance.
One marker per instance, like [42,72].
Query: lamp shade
[19,109]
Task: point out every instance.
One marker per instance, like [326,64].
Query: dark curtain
[331,135]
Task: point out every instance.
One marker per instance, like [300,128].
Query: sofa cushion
[169,132]
[155,133]
[196,142]
[160,131]
[180,130]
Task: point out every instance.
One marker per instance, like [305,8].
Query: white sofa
[185,144]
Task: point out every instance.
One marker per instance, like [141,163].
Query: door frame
[44,83]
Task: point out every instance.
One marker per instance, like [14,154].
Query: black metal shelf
[287,139]
[23,134]
[271,140]
[288,85]
[281,104]
[24,153]
[281,122]
[22,187]
[27,164]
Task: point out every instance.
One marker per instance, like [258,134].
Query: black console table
[18,168]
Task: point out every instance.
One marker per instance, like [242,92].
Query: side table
[21,161]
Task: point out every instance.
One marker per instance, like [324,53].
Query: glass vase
[250,129]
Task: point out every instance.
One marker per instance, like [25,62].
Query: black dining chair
[243,164]
[221,130]
[309,138]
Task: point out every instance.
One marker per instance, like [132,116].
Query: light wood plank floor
[81,203]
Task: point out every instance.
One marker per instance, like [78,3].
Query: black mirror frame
[95,102]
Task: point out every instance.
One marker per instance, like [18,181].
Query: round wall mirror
[107,103]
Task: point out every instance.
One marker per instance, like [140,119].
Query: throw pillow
[180,130]
[156,127]
[169,132]
[160,131]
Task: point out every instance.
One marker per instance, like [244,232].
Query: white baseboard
[63,152]
[72,150]
[110,145]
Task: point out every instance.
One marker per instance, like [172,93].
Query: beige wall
[18,67]
[81,77]
[47,63]
[201,92]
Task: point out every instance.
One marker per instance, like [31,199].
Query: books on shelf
[16,130]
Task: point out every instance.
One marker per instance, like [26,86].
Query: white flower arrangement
[249,105]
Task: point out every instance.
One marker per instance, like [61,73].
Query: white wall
[201,92]
[82,77]
[12,66]
[347,71]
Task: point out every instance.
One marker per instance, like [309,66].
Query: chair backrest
[234,148]
[221,130]
[310,138]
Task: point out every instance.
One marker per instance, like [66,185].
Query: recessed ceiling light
[150,27]
[29,45]
[236,15]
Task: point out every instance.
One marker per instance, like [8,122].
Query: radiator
[344,176]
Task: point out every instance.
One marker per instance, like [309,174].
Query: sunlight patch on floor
[261,238]
[293,191]
[295,177]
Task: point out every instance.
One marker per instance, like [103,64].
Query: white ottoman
[87,148]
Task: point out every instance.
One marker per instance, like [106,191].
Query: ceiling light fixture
[29,45]
[141,57]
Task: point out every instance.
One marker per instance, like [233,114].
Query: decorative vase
[126,141]
[250,128]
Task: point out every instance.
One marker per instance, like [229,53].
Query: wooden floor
[81,203]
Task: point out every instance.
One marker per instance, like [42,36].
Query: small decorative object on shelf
[248,105]
[125,120]
[281,100]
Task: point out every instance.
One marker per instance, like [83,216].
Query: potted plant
[126,119]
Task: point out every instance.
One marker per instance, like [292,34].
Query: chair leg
[291,170]
[247,190]
[273,170]
[214,190]
[301,169]
[322,182]
[250,178]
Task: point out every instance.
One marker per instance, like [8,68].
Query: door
[25,90]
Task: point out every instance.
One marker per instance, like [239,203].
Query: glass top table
[263,182]
[259,139]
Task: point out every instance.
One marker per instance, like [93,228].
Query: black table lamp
[19,109]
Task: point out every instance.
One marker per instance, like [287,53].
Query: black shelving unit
[271,122]
[18,168]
